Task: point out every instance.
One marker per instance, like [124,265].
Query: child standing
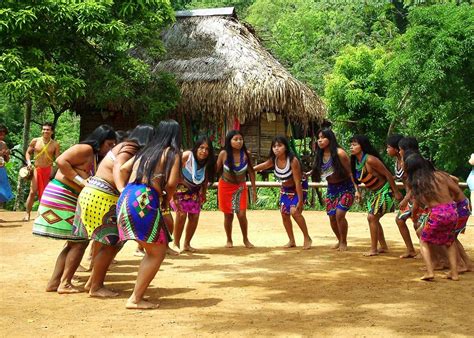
[333,165]
[197,172]
[287,170]
[404,213]
[232,188]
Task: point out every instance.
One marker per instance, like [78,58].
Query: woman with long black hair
[152,183]
[332,164]
[368,168]
[197,172]
[58,203]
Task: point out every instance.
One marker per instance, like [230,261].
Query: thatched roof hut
[222,69]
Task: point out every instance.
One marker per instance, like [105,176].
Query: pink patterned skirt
[187,200]
[440,225]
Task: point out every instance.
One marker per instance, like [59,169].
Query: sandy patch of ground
[263,291]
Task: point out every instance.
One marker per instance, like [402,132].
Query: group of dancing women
[108,191]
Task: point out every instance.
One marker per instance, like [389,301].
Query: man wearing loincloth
[45,150]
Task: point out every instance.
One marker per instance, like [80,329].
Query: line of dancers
[111,193]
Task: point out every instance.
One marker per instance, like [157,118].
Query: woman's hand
[358,196]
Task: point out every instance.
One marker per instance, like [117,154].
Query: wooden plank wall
[268,130]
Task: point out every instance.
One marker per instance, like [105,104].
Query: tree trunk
[26,138]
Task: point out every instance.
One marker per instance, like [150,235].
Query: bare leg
[381,237]
[289,230]
[299,219]
[178,229]
[402,227]
[58,270]
[193,220]
[242,216]
[464,257]
[149,266]
[452,256]
[425,252]
[228,218]
[374,234]
[31,196]
[343,228]
[139,251]
[73,259]
[101,261]
[335,229]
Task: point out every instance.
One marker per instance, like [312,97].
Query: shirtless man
[45,150]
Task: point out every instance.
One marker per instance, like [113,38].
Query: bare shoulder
[372,160]
[222,154]
[342,153]
[295,162]
[186,155]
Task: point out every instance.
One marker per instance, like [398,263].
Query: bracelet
[79,180]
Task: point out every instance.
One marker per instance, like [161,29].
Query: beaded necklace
[359,166]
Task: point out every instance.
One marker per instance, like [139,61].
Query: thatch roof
[222,69]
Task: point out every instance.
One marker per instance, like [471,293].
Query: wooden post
[26,138]
[258,137]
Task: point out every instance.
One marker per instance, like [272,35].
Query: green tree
[356,93]
[430,82]
[54,53]
[307,35]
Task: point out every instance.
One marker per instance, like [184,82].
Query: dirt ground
[267,290]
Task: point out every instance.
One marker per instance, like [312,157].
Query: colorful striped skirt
[96,212]
[56,212]
[139,215]
[232,197]
[381,201]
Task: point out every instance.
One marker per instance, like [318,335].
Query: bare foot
[175,247]
[171,252]
[248,245]
[307,243]
[336,246]
[451,276]
[189,248]
[103,293]
[141,305]
[139,253]
[83,269]
[26,218]
[52,286]
[229,244]
[382,250]
[290,244]
[371,253]
[409,254]
[68,288]
[343,247]
[427,277]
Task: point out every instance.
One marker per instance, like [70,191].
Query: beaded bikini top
[398,170]
[283,174]
[238,169]
[327,169]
